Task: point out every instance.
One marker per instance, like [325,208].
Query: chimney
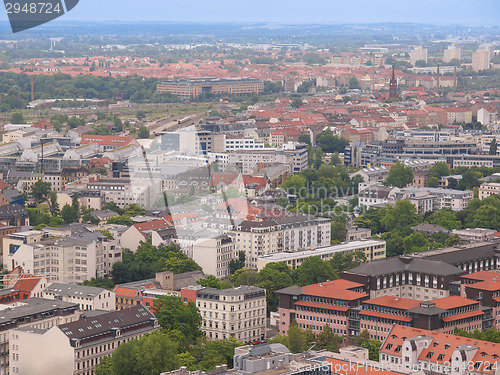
[32,88]
[455,79]
[437,79]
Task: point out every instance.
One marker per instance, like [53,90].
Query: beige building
[418,53]
[237,312]
[31,314]
[373,249]
[190,88]
[489,188]
[480,60]
[77,347]
[87,297]
[452,52]
[213,255]
[292,233]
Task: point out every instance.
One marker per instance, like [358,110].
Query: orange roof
[322,306]
[333,289]
[107,140]
[453,302]
[482,275]
[27,283]
[386,316]
[444,344]
[395,302]
[346,368]
[152,225]
[469,314]
[491,285]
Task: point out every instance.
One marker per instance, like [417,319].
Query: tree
[338,230]
[364,341]
[52,202]
[173,314]
[143,133]
[433,182]
[305,138]
[40,189]
[470,180]
[314,270]
[295,184]
[69,214]
[297,103]
[151,354]
[493,147]
[439,170]
[416,243]
[401,217]
[100,282]
[353,83]
[343,262]
[331,143]
[244,276]
[213,282]
[328,340]
[399,175]
[296,340]
[238,263]
[272,277]
[17,118]
[446,218]
[105,366]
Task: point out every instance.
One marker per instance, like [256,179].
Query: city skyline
[445,12]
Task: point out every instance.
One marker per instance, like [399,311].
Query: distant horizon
[287,12]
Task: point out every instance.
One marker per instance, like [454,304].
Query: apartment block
[237,312]
[77,347]
[373,250]
[290,233]
[87,297]
[31,314]
[194,87]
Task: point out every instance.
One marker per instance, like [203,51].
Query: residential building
[357,234]
[30,314]
[451,53]
[236,312]
[293,232]
[474,235]
[79,346]
[481,60]
[418,54]
[134,293]
[213,255]
[438,353]
[488,188]
[87,297]
[373,250]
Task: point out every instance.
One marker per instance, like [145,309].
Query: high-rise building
[452,52]
[418,53]
[481,60]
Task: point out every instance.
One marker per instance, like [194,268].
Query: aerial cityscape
[221,188]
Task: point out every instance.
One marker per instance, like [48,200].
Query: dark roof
[12,210]
[95,325]
[293,290]
[405,263]
[462,253]
[33,307]
[183,280]
[429,228]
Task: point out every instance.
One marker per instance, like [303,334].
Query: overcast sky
[479,12]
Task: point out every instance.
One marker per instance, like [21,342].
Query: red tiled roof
[107,140]
[322,306]
[152,225]
[444,344]
[481,275]
[332,290]
[395,302]
[469,314]
[490,285]
[453,302]
[386,316]
[27,283]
